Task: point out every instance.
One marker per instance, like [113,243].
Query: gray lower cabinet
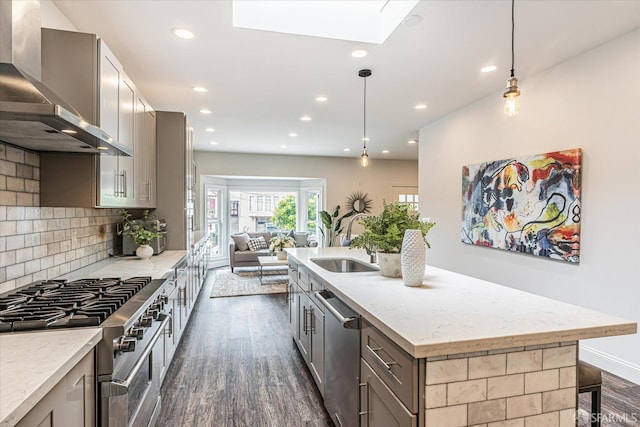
[392,382]
[293,309]
[304,337]
[379,406]
[316,330]
[306,322]
[182,290]
[71,402]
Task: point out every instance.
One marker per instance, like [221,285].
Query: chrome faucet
[346,241]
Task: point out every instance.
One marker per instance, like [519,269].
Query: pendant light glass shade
[512,94]
[364,157]
[512,98]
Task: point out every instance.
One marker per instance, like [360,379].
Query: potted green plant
[384,234]
[140,235]
[332,223]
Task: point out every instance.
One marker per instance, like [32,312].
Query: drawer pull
[380,359]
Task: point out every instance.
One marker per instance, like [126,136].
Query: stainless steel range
[130,357]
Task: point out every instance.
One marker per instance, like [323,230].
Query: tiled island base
[519,387]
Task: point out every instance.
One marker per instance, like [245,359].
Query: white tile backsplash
[38,243]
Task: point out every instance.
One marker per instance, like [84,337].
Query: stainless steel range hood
[32,116]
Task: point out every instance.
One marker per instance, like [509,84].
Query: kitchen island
[483,353]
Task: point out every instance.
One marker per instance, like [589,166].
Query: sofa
[240,255]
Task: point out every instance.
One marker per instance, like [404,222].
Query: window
[255,211]
[407,196]
[233,209]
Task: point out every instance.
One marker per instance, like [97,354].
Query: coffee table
[271,261]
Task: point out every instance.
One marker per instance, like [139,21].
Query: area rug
[247,282]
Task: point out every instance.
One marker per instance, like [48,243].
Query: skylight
[369,21]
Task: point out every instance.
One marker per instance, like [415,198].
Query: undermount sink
[344,265]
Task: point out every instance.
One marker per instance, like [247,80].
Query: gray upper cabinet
[174,158]
[81,68]
[145,164]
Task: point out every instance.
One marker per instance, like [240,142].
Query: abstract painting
[529,205]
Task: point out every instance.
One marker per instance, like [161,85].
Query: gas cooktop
[55,304]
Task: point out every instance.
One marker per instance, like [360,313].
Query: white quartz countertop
[158,267]
[32,363]
[452,313]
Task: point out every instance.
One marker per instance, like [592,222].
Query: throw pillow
[257,244]
[242,241]
[301,238]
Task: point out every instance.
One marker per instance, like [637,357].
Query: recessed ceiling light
[488,69]
[182,33]
[213,143]
[283,146]
[347,149]
[322,99]
[385,151]
[69,131]
[210,129]
[359,53]
[205,111]
[412,20]
[199,89]
[412,141]
[420,106]
[293,134]
[366,139]
[305,118]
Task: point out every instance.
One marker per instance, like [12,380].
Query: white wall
[590,101]
[51,17]
[343,175]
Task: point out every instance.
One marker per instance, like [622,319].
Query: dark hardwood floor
[620,403]
[237,366]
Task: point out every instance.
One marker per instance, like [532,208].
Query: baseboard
[616,366]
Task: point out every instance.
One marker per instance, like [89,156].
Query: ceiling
[260,83]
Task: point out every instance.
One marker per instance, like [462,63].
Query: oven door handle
[120,387]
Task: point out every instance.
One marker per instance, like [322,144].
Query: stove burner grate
[62,304]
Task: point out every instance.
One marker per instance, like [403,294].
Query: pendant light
[512,94]
[364,157]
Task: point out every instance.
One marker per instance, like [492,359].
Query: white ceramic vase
[281,255]
[144,251]
[413,258]
[389,264]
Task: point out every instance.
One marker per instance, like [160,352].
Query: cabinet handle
[304,320]
[312,321]
[364,398]
[116,183]
[182,291]
[124,183]
[380,359]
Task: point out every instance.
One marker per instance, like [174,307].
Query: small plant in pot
[384,233]
[140,235]
[280,242]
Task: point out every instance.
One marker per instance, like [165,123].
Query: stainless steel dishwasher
[342,360]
